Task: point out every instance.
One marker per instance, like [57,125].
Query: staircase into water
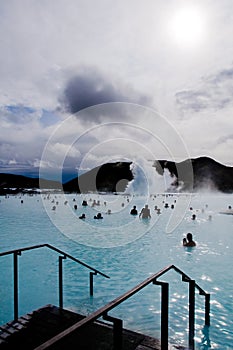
[52,327]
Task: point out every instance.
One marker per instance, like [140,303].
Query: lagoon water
[129,250]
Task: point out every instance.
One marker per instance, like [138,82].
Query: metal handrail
[164,311]
[56,250]
[64,255]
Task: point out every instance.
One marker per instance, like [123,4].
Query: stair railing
[118,323]
[62,256]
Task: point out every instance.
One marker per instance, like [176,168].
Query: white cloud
[12,162]
[215,92]
[69,150]
[44,44]
[42,40]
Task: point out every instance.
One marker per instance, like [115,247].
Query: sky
[86,82]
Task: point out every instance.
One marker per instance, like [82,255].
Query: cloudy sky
[164,64]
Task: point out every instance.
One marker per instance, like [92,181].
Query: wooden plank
[49,320]
[151,342]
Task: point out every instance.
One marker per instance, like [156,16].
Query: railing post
[91,282]
[61,280]
[164,313]
[191,313]
[16,301]
[207,309]
[117,331]
[192,285]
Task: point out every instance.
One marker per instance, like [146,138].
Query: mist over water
[146,179]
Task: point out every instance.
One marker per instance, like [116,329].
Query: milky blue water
[128,249]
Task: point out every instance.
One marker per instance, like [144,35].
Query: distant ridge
[109,177]
[207,174]
[11,183]
[115,177]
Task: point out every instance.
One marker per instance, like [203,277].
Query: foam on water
[128,250]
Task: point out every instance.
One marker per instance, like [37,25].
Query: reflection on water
[205,340]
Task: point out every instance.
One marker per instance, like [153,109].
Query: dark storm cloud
[215,93]
[89,88]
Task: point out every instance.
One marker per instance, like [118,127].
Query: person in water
[98,216]
[145,212]
[83,216]
[134,211]
[188,242]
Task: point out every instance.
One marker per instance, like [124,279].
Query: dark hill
[207,174]
[191,174]
[10,183]
[109,177]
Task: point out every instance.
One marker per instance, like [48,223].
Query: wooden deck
[35,328]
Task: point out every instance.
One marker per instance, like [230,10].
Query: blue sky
[59,57]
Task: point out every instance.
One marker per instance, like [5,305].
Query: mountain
[207,174]
[10,183]
[193,174]
[109,177]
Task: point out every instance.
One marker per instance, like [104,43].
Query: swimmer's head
[189,237]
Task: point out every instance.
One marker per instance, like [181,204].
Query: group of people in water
[98,216]
[145,213]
